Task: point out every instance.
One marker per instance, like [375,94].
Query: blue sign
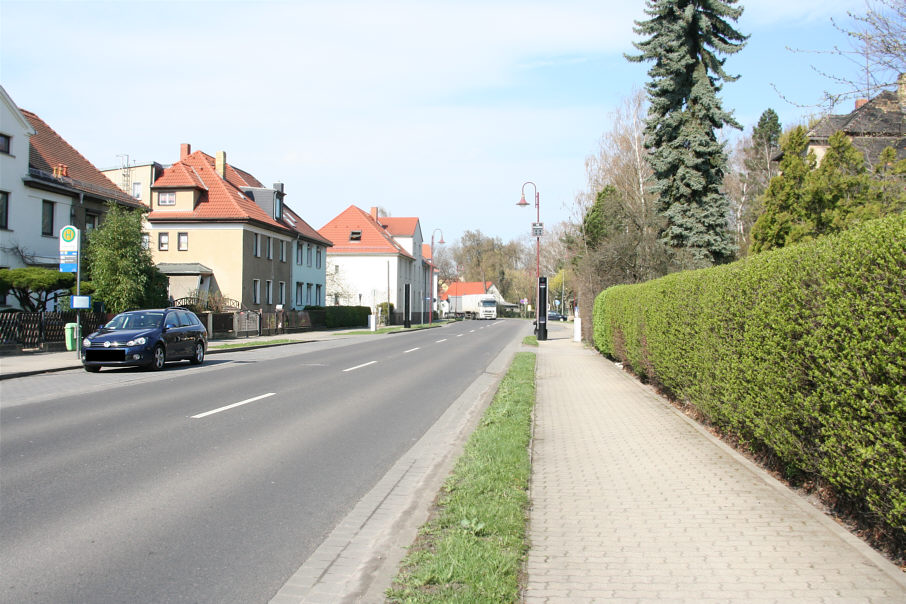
[69,262]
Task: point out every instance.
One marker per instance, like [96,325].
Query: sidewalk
[19,365]
[634,502]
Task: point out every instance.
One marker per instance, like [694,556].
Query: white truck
[474,306]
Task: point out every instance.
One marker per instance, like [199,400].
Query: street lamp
[537,231]
[431,279]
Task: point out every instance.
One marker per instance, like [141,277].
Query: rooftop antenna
[126,173]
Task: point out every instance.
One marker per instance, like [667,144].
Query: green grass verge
[472,549]
[251,343]
[530,340]
[393,329]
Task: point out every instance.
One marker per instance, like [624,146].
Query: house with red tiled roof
[376,259]
[872,126]
[214,228]
[45,184]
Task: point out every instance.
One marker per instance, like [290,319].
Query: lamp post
[431,279]
[537,231]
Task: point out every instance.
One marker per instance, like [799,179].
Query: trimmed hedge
[339,316]
[801,350]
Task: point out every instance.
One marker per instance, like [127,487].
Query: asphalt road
[212,483]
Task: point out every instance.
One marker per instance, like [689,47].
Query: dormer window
[355,235]
[166,198]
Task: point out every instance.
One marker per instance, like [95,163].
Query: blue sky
[435,109]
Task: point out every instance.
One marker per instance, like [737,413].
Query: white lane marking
[245,402]
[459,335]
[360,366]
[471,331]
[439,341]
[411,350]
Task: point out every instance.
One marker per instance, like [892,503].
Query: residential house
[309,263]
[872,126]
[214,228]
[377,259]
[45,184]
[135,179]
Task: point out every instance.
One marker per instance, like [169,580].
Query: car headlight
[86,343]
[137,341]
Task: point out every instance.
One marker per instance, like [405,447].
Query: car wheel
[158,358]
[92,368]
[198,357]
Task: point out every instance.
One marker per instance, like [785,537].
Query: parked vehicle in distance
[555,316]
[146,338]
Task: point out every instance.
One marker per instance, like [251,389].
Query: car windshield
[136,320]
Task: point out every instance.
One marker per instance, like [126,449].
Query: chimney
[374,213]
[860,102]
[185,150]
[278,186]
[220,164]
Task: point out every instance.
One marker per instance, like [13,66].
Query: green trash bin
[72,336]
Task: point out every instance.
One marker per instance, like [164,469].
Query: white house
[376,259]
[45,184]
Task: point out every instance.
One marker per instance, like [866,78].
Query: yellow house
[209,232]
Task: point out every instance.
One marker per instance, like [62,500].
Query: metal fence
[23,331]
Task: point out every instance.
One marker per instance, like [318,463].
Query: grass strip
[393,329]
[250,343]
[473,548]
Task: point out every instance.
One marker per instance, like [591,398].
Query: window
[269,292]
[308,294]
[355,235]
[91,221]
[308,255]
[318,257]
[281,293]
[137,191]
[5,143]
[182,242]
[318,297]
[4,210]
[167,198]
[47,218]
[300,292]
[256,245]
[163,241]
[269,243]
[256,291]
[146,241]
[282,251]
[299,253]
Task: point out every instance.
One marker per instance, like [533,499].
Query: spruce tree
[682,38]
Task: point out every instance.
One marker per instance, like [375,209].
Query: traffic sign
[69,249]
[537,229]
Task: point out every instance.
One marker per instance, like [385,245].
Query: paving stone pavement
[633,502]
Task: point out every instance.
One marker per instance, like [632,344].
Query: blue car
[146,338]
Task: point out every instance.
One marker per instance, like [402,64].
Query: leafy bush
[344,316]
[801,351]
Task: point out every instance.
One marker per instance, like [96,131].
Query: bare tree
[616,237]
[877,54]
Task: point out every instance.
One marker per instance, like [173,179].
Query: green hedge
[339,316]
[801,350]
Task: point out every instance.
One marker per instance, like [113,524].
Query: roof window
[355,235]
